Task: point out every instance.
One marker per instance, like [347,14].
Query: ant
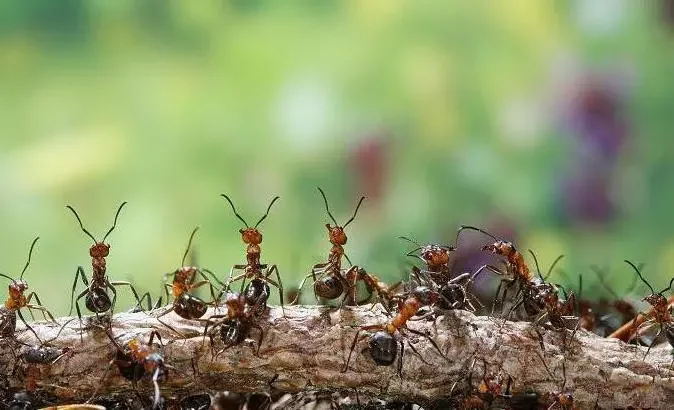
[43,354]
[257,291]
[659,313]
[385,294]
[96,295]
[383,344]
[185,304]
[135,360]
[533,288]
[235,325]
[454,294]
[436,258]
[17,300]
[329,282]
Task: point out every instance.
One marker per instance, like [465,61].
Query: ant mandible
[256,292]
[234,326]
[332,282]
[659,313]
[97,299]
[383,344]
[185,303]
[17,300]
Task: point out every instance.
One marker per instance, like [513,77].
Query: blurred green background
[548,122]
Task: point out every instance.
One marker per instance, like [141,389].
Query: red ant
[234,326]
[256,292]
[385,294]
[329,282]
[436,258]
[185,304]
[659,313]
[533,288]
[135,360]
[96,295]
[17,300]
[384,344]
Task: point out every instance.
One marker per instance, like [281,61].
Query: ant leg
[167,286]
[125,283]
[657,335]
[139,307]
[259,340]
[210,284]
[79,273]
[299,289]
[400,360]
[166,312]
[231,273]
[44,311]
[427,337]
[18,312]
[353,346]
[84,293]
[274,269]
[152,336]
[213,276]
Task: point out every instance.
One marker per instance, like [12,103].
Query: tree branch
[308,348]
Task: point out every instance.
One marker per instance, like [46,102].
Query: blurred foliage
[454,112]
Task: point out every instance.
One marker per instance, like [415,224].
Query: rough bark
[307,349]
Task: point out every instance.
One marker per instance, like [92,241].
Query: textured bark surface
[307,349]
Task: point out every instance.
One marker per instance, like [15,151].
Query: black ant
[454,294]
[96,295]
[185,303]
[135,360]
[384,344]
[659,314]
[436,258]
[234,326]
[257,291]
[329,282]
[17,300]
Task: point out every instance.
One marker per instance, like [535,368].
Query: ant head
[656,299]
[336,234]
[425,295]
[499,247]
[185,272]
[435,255]
[99,250]
[251,236]
[17,288]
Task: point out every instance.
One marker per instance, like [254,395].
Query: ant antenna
[472,228]
[30,253]
[538,269]
[234,209]
[268,208]
[559,258]
[189,244]
[668,287]
[10,278]
[404,238]
[114,223]
[81,225]
[640,277]
[362,198]
[634,281]
[327,208]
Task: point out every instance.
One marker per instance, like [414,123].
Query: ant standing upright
[329,282]
[17,300]
[256,292]
[96,295]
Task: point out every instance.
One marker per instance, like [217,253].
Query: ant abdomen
[256,293]
[189,307]
[98,301]
[233,332]
[383,348]
[128,368]
[329,287]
